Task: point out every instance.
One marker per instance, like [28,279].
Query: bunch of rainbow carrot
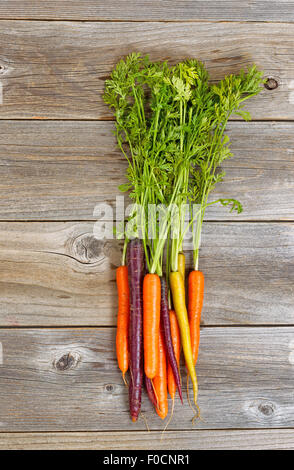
[170,126]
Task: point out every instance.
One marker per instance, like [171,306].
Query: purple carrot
[167,336]
[135,263]
[150,391]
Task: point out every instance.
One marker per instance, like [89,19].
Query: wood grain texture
[267,439]
[60,171]
[191,10]
[56,70]
[68,380]
[60,274]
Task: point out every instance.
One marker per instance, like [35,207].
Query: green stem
[124,253]
[164,229]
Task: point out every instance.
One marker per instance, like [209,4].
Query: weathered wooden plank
[59,274]
[67,379]
[189,10]
[57,70]
[60,171]
[266,439]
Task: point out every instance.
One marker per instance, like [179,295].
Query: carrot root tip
[170,418]
[197,415]
[125,380]
[146,421]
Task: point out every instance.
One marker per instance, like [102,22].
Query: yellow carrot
[178,292]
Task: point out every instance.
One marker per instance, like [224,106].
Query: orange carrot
[123,318]
[196,292]
[160,380]
[176,340]
[151,322]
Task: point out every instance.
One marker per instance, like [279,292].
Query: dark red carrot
[176,339]
[135,262]
[150,391]
[168,337]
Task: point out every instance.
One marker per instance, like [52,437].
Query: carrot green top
[170,126]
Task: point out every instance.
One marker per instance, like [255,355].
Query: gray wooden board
[57,70]
[67,379]
[142,10]
[62,170]
[270,439]
[60,274]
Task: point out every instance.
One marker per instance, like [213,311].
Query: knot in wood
[271,84]
[266,409]
[87,249]
[67,361]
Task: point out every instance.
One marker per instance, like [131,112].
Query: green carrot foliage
[170,126]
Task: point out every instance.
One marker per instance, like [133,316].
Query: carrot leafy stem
[170,126]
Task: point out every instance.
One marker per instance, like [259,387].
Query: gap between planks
[205,20]
[142,432]
[81,221]
[109,327]
[106,119]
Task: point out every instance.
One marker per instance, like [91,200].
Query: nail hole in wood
[109,388]
[271,84]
